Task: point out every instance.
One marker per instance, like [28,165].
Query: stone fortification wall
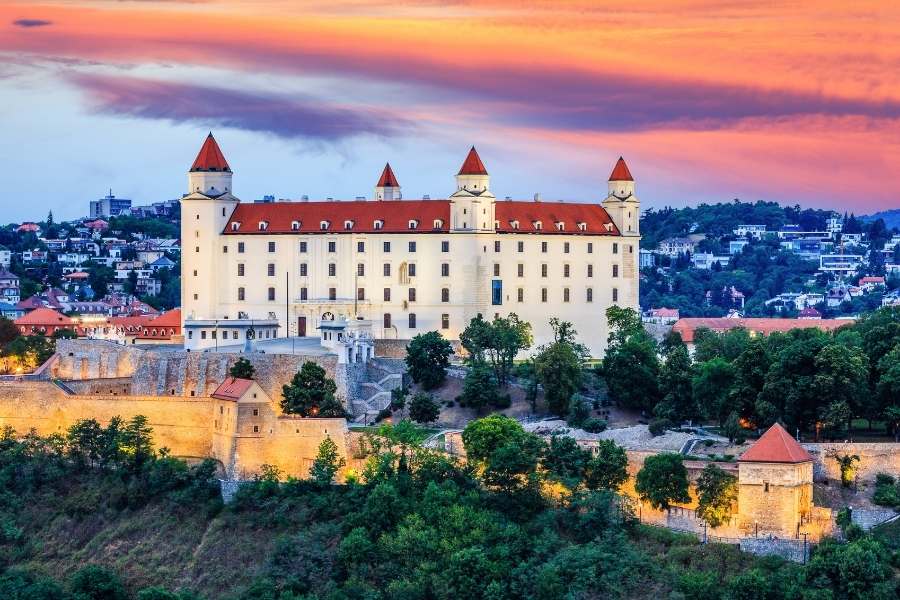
[113,386]
[94,359]
[180,424]
[873,459]
[396,348]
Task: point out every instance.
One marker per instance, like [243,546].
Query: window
[514,224]
[378,224]
[323,225]
[496,245]
[386,246]
[544,270]
[565,294]
[360,246]
[224,249]
[240,247]
[303,247]
[560,226]
[544,247]
[538,225]
[271,246]
[445,294]
[387,294]
[445,269]
[234,226]
[270,270]
[445,246]
[348,225]
[566,247]
[412,270]
[590,247]
[387,320]
[387,269]
[303,294]
[521,246]
[520,269]
[445,321]
[304,270]
[361,270]
[197,249]
[255,410]
[295,225]
[332,269]
[615,294]
[766,486]
[332,246]
[520,294]
[240,294]
[582,226]
[332,293]
[496,269]
[566,270]
[543,294]
[203,335]
[412,294]
[360,293]
[615,270]
[271,293]
[263,225]
[630,249]
[256,429]
[412,246]
[590,272]
[412,224]
[496,292]
[615,247]
[437,224]
[240,269]
[590,295]
[412,320]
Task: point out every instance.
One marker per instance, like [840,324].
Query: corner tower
[210,174]
[472,204]
[388,188]
[622,205]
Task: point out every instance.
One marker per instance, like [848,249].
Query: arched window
[560,226]
[263,225]
[348,224]
[295,225]
[378,224]
[235,225]
[582,226]
[323,225]
[438,223]
[514,224]
[538,225]
[413,224]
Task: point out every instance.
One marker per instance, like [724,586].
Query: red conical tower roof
[472,165]
[387,178]
[620,172]
[210,157]
[776,446]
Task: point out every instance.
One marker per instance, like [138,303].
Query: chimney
[426,197]
[537,197]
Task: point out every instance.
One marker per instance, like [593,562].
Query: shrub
[97,583]
[593,425]
[383,414]
[658,426]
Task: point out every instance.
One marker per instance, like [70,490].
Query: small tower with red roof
[622,205]
[388,188]
[775,481]
[472,204]
[210,174]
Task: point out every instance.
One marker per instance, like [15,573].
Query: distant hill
[891,218]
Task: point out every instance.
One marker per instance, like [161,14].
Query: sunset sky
[797,102]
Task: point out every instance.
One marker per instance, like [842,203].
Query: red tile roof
[162,327]
[395,216]
[232,388]
[45,316]
[472,165]
[620,172]
[210,157]
[170,318]
[776,446]
[387,177]
[688,326]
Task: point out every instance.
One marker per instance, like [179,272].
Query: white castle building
[408,266]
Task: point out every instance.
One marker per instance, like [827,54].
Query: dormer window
[263,225]
[378,224]
[514,225]
[560,226]
[323,225]
[295,225]
[438,223]
[496,224]
[235,225]
[413,223]
[582,226]
[348,225]
[608,226]
[538,225]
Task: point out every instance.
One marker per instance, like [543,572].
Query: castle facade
[280,269]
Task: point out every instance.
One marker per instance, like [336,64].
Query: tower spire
[472,165]
[387,188]
[210,157]
[210,174]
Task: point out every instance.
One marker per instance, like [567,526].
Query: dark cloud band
[31,23]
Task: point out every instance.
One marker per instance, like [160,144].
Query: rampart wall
[873,459]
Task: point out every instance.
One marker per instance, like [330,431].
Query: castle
[279,270]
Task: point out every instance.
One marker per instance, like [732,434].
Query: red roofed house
[775,481]
[687,327]
[809,313]
[28,228]
[871,283]
[662,316]
[164,329]
[405,265]
[44,321]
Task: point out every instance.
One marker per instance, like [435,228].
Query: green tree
[750,370]
[136,442]
[497,343]
[711,388]
[424,409]
[482,437]
[717,492]
[676,378]
[8,331]
[565,461]
[311,394]
[846,462]
[97,583]
[608,468]
[623,323]
[480,388]
[732,428]
[427,358]
[558,367]
[843,373]
[327,463]
[858,570]
[663,480]
[631,371]
[242,369]
[83,439]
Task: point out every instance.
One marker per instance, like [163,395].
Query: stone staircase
[377,397]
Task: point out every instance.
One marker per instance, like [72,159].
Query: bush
[383,414]
[593,425]
[658,426]
[887,492]
[97,583]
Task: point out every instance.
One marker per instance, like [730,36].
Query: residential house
[754,231]
[676,246]
[9,287]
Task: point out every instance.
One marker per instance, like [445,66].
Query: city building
[9,287]
[408,266]
[676,246]
[737,246]
[754,231]
[687,327]
[44,321]
[109,206]
[706,260]
[840,264]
